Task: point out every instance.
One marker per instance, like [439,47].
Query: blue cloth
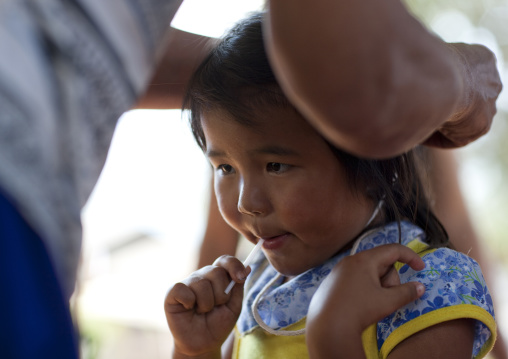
[451,279]
[35,321]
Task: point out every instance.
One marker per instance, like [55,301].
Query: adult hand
[361,290]
[474,114]
[199,314]
[374,81]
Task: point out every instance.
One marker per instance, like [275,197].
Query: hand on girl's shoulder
[443,294]
[355,295]
[454,290]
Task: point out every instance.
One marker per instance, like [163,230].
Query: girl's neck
[377,219]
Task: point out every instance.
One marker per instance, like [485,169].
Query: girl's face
[280,181]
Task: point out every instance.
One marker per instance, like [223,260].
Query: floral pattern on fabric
[450,278]
[286,303]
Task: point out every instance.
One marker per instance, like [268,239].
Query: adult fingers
[475,112]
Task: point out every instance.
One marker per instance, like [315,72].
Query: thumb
[236,300]
[406,293]
[400,295]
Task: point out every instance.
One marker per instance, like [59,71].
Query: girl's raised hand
[199,314]
[361,290]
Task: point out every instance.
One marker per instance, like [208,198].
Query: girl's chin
[286,270]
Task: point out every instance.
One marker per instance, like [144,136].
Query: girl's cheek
[229,215]
[229,210]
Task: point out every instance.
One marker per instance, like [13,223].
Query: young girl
[353,264]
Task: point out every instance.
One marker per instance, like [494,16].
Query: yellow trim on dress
[460,311]
[369,342]
[258,344]
[418,247]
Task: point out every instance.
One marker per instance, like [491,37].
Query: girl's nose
[252,200]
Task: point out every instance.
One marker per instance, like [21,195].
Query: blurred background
[144,221]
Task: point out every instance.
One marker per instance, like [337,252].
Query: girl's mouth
[275,242]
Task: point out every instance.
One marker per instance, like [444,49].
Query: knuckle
[200,283]
[176,290]
[224,259]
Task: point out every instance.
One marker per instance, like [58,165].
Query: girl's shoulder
[405,233]
[450,278]
[454,289]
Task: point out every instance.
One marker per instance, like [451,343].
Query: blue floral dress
[455,289]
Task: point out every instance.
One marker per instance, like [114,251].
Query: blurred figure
[69,69]
[451,209]
[441,173]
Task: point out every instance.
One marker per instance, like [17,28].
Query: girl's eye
[277,167]
[225,169]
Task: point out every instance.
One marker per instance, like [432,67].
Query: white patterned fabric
[68,70]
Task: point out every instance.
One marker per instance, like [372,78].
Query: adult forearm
[366,73]
[183,52]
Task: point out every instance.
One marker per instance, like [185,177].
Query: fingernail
[420,289]
[241,276]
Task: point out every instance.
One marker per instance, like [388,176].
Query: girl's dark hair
[236,77]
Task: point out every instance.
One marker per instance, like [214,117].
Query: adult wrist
[465,79]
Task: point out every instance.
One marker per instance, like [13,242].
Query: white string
[280,332]
[374,214]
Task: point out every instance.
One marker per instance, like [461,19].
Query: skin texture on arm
[453,340]
[183,52]
[374,81]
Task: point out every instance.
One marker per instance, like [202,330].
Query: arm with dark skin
[374,81]
[183,53]
[365,73]
[360,291]
[451,209]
